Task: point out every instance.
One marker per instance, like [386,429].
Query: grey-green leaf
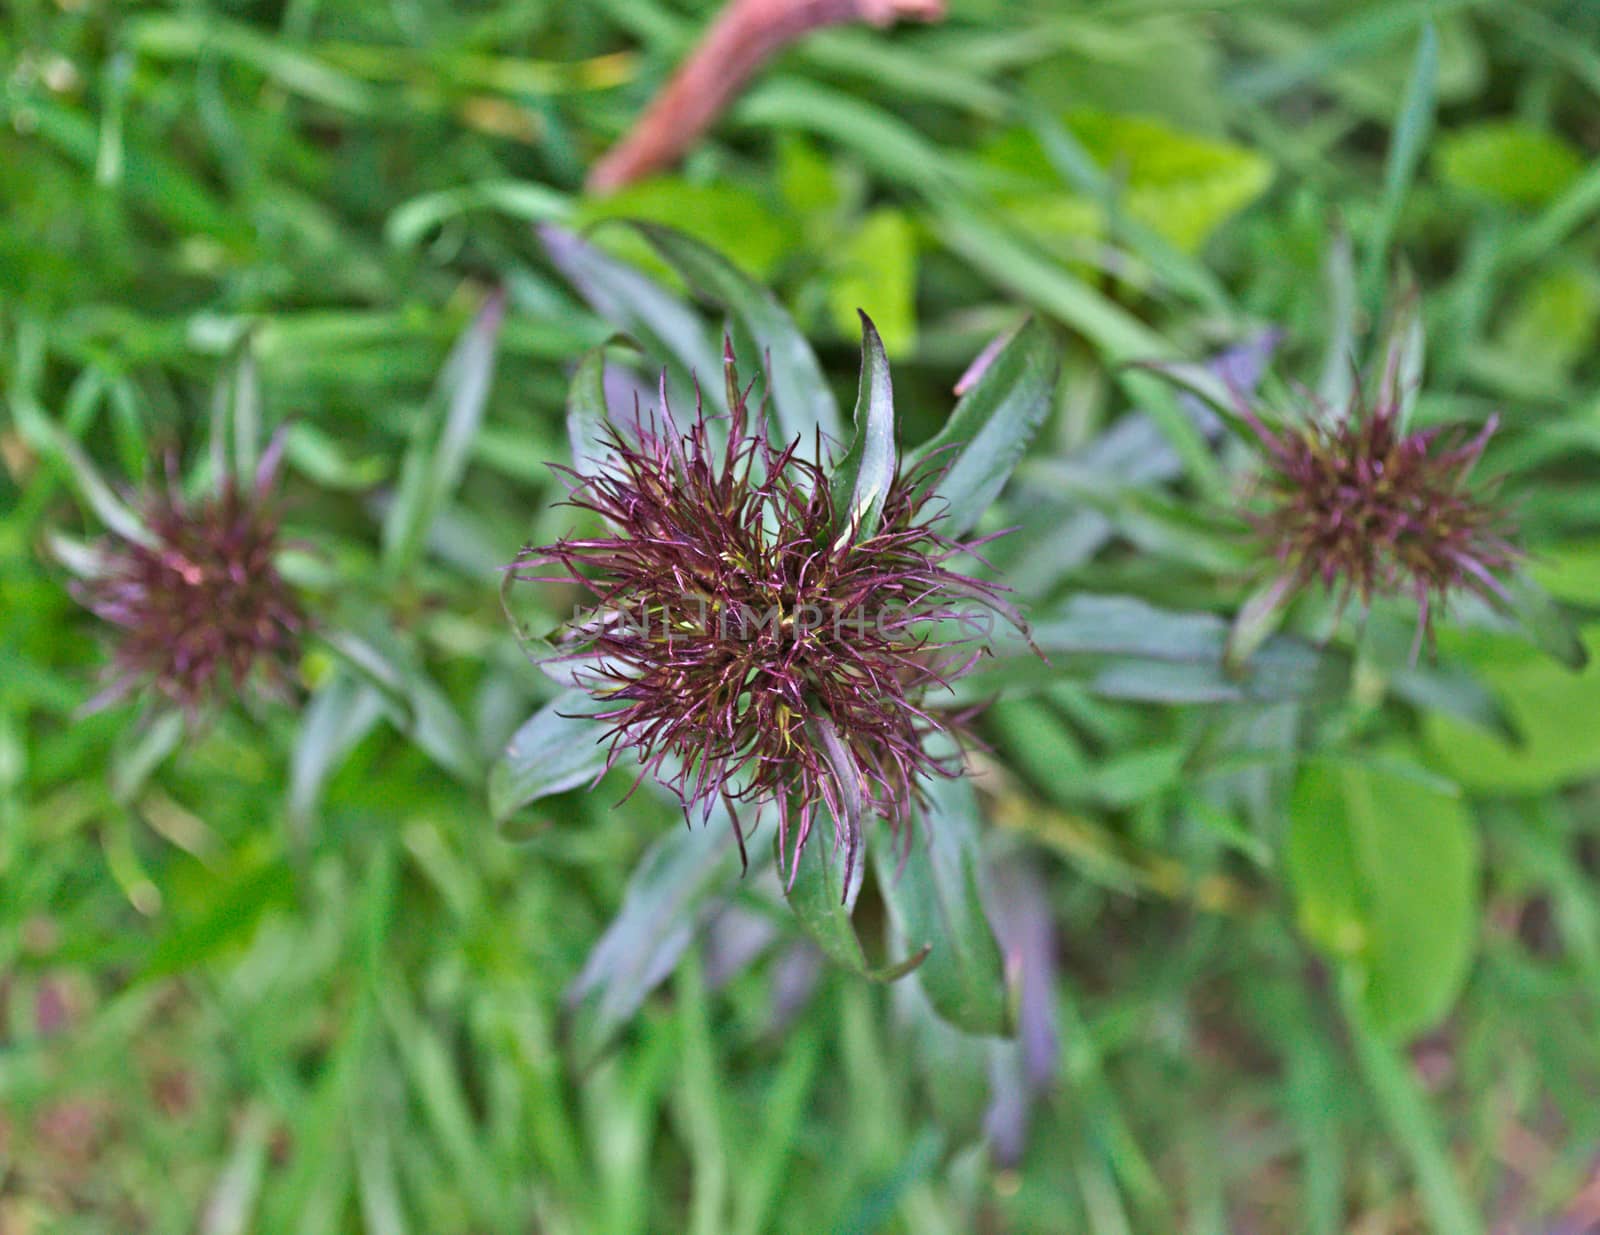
[992,425]
[557,748]
[935,901]
[439,453]
[660,912]
[823,907]
[862,479]
[801,396]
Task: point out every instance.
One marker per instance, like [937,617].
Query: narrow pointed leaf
[822,906]
[1546,623]
[676,881]
[992,425]
[439,453]
[865,473]
[935,901]
[557,748]
[801,397]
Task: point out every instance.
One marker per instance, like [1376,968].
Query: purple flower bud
[752,652]
[1366,508]
[200,607]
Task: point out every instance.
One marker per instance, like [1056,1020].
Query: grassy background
[270,984]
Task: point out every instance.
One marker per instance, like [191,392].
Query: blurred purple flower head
[758,645]
[1363,506]
[199,605]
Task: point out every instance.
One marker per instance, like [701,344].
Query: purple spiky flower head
[756,644]
[1369,509]
[197,600]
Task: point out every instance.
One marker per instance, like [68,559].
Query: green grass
[285,974]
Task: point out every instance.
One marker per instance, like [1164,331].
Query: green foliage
[1321,925]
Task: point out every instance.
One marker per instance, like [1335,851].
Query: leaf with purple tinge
[1021,1071]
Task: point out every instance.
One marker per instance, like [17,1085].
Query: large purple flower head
[197,601]
[758,644]
[1367,508]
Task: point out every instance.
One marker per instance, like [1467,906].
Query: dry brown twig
[744,36]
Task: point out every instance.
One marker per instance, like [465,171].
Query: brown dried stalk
[744,36]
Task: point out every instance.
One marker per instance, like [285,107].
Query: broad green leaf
[801,396]
[991,426]
[1508,161]
[661,909]
[823,906]
[862,479]
[443,444]
[1385,876]
[733,220]
[1547,331]
[1181,186]
[556,749]
[875,271]
[1556,712]
[935,901]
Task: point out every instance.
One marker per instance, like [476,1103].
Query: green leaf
[1392,1077]
[660,912]
[1507,161]
[556,749]
[992,425]
[1546,622]
[823,906]
[864,475]
[1406,145]
[1160,656]
[342,711]
[525,201]
[587,413]
[413,702]
[1385,876]
[669,331]
[1180,186]
[875,271]
[735,220]
[801,396]
[1556,712]
[936,903]
[439,453]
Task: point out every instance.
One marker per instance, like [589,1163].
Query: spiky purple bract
[199,606]
[1371,510]
[760,648]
